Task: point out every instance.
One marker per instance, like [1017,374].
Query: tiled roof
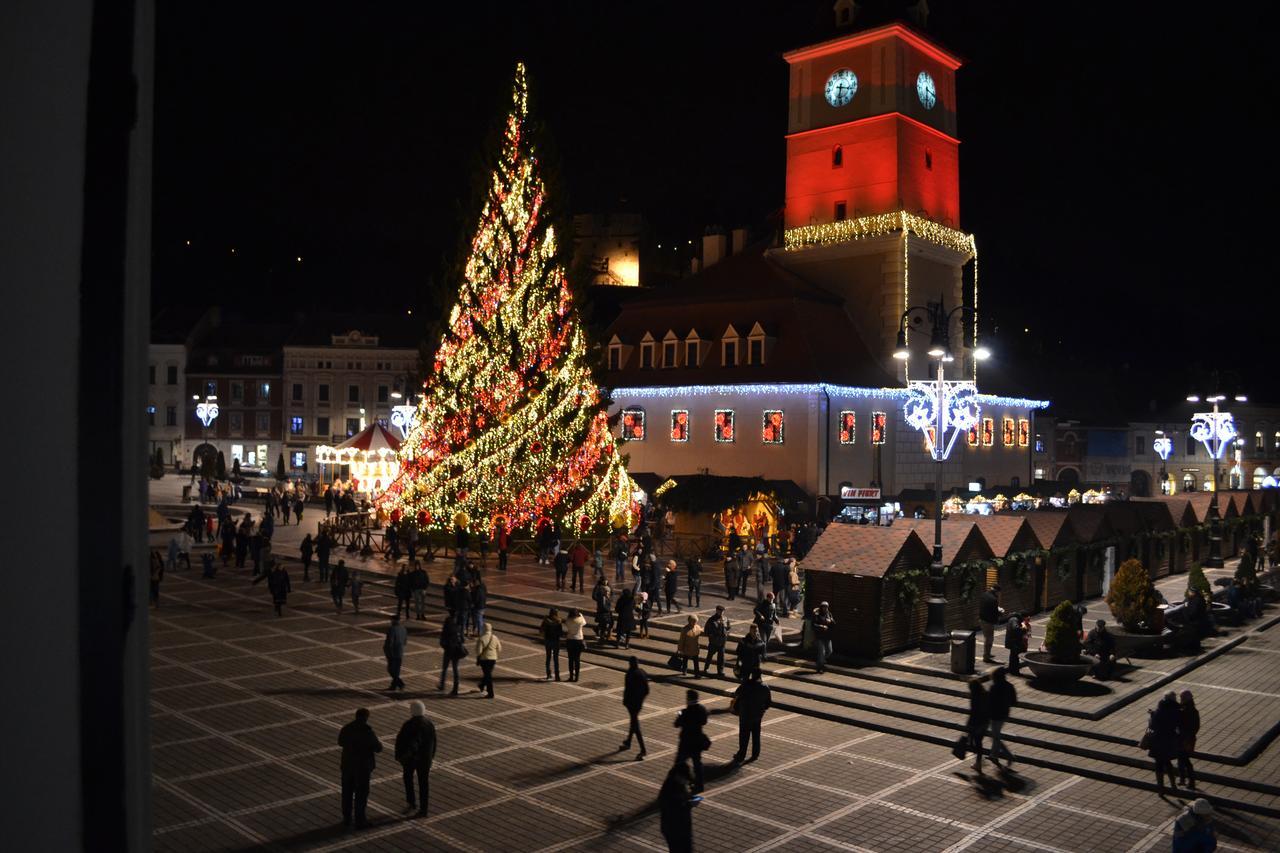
[1200,504]
[1051,527]
[962,539]
[1000,531]
[1089,522]
[865,550]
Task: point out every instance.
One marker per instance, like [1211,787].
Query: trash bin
[963,646]
[186,494]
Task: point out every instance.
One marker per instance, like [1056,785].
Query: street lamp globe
[981,354]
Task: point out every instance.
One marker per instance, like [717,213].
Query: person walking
[646,609]
[602,595]
[743,557]
[693,572]
[578,557]
[404,594]
[359,746]
[990,613]
[338,584]
[750,701]
[1193,831]
[488,647]
[1162,738]
[280,587]
[298,504]
[979,718]
[357,587]
[675,807]
[322,555]
[626,617]
[561,563]
[328,502]
[620,553]
[285,507]
[574,641]
[307,548]
[693,741]
[671,585]
[451,651]
[778,574]
[415,750]
[717,634]
[821,623]
[1002,699]
[731,577]
[479,600]
[766,620]
[393,646]
[689,647]
[635,687]
[502,539]
[419,582]
[1188,729]
[750,652]
[552,630]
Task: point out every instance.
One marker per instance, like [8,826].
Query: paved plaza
[246,708]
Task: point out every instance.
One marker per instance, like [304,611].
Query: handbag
[675,662]
[1145,742]
[960,749]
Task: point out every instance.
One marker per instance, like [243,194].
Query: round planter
[1225,614]
[1130,645]
[1043,666]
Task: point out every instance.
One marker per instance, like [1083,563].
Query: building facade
[779,362]
[166,401]
[338,379]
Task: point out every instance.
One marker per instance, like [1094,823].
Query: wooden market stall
[1021,576]
[967,555]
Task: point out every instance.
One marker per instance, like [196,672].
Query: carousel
[368,461]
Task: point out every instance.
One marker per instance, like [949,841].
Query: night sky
[1116,166]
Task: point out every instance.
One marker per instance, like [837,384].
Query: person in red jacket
[578,557]
[502,538]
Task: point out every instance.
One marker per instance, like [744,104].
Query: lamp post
[207,413]
[945,407]
[1216,430]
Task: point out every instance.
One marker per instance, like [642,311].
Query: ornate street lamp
[948,408]
[1216,430]
[1163,447]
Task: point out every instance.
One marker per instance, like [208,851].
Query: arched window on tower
[837,157]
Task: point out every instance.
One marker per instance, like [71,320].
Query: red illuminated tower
[873,184]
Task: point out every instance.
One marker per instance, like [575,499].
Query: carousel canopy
[371,439]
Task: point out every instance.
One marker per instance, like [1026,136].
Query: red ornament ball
[536,447]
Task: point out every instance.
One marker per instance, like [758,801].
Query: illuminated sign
[849,493]
[1163,446]
[1215,430]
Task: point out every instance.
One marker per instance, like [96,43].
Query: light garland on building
[775,389]
[879,225]
[510,422]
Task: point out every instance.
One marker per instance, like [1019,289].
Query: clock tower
[872,129]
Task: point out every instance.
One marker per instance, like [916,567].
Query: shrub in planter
[1060,636]
[1198,582]
[220,467]
[1132,598]
[1247,572]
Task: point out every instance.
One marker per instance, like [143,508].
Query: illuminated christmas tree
[511,423]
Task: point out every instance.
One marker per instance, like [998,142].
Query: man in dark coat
[451,650]
[323,544]
[418,584]
[1002,699]
[990,613]
[1101,645]
[766,619]
[821,623]
[693,741]
[731,577]
[338,584]
[693,570]
[415,750]
[1015,640]
[393,649]
[635,689]
[404,594]
[307,548]
[778,576]
[675,804]
[359,744]
[717,633]
[750,651]
[278,583]
[751,700]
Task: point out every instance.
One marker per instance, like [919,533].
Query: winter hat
[1202,807]
[417,709]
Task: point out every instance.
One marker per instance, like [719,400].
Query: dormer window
[729,347]
[646,352]
[756,345]
[669,354]
[615,356]
[692,349]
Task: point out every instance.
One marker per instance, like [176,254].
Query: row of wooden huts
[876,578]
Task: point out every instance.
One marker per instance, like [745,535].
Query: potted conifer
[1061,660]
[1133,602]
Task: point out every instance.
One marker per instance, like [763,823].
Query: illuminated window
[773,426]
[353,426]
[680,425]
[295,425]
[841,211]
[211,388]
[1007,429]
[988,432]
[973,436]
[1024,432]
[837,157]
[264,392]
[848,427]
[879,423]
[298,460]
[632,425]
[724,425]
[1259,443]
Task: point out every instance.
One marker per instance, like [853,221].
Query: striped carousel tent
[371,455]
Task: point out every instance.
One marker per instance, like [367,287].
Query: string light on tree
[510,422]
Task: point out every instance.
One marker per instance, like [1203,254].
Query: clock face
[925,90]
[841,86]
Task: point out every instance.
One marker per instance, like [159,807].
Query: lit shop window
[632,425]
[1007,430]
[1024,432]
[724,425]
[772,428]
[879,422]
[988,432]
[680,425]
[848,427]
[973,436]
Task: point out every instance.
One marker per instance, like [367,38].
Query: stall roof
[1051,527]
[1002,531]
[962,539]
[1124,517]
[867,550]
[1199,504]
[647,481]
[1089,522]
[1178,507]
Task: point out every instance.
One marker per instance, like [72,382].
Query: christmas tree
[511,423]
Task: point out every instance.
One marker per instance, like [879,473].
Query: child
[646,607]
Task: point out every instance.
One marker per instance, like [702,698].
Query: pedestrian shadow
[566,770]
[992,787]
[316,837]
[717,772]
